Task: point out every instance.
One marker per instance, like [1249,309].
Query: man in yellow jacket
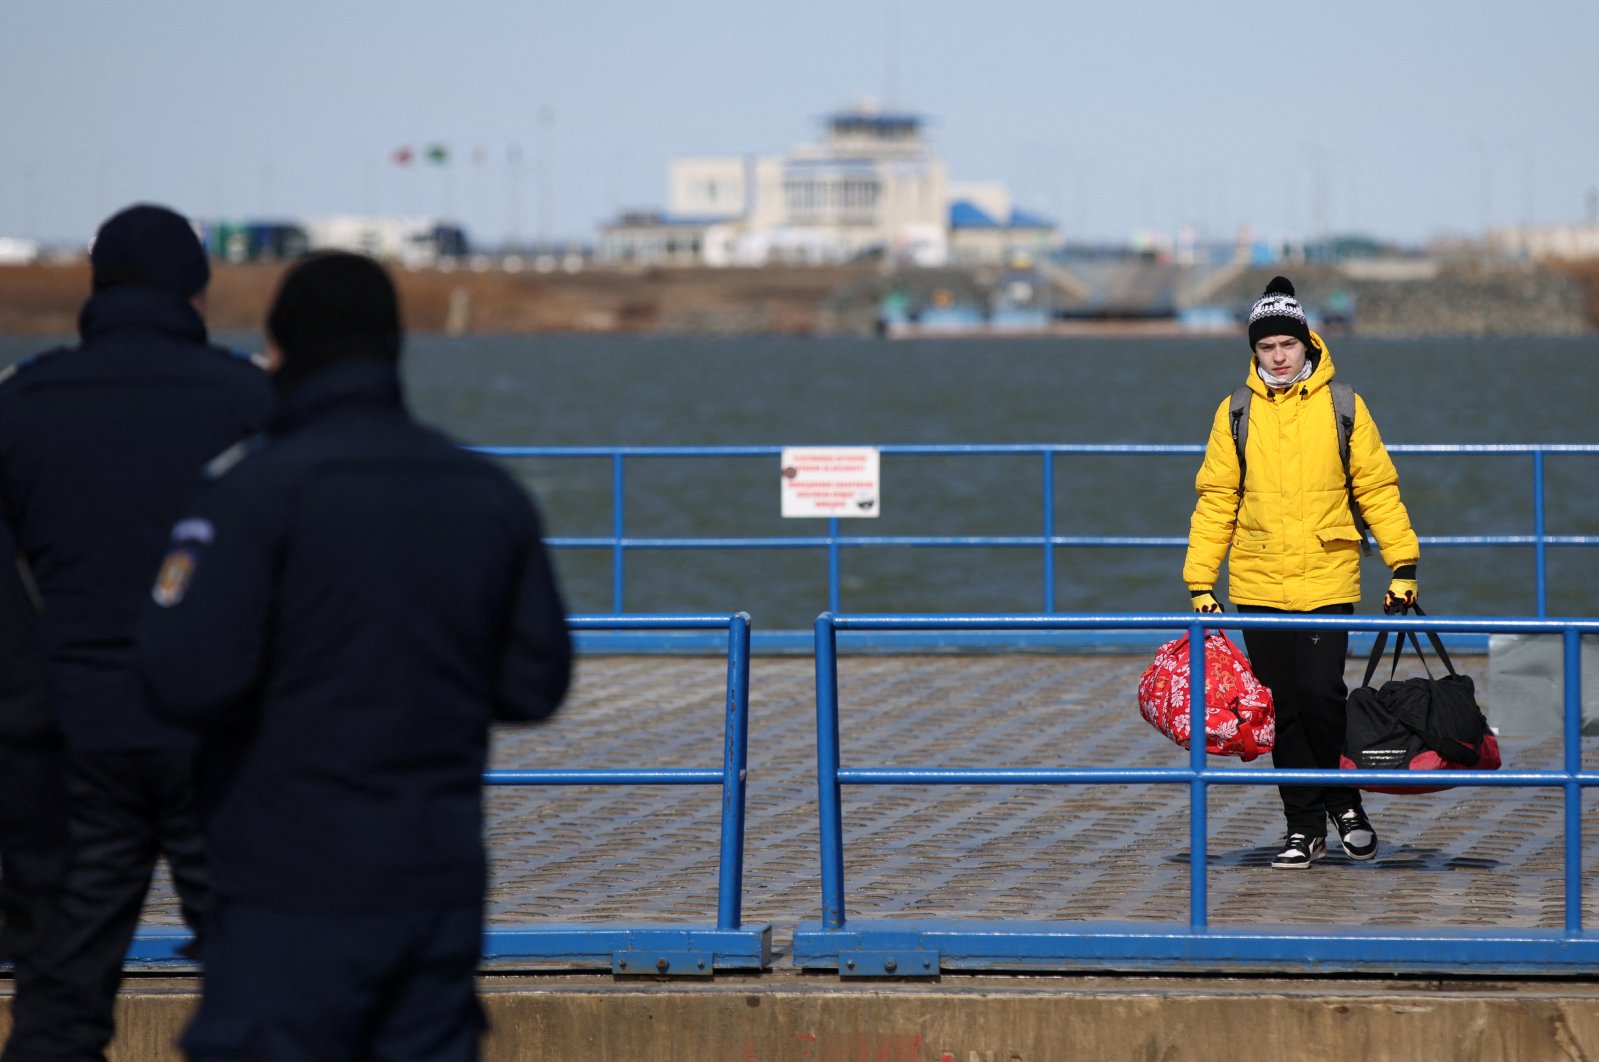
[1287,513]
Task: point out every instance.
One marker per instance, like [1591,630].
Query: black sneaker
[1359,839]
[1300,850]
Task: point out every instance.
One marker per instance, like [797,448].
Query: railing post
[1540,550]
[735,774]
[1198,839]
[1572,642]
[832,564]
[1049,532]
[828,797]
[617,524]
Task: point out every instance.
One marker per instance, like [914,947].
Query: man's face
[1281,356]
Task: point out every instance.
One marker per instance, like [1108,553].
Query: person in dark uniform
[100,445]
[33,820]
[342,613]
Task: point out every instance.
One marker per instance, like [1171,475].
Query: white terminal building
[872,187]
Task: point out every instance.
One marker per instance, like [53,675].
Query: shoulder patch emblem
[177,571]
[195,529]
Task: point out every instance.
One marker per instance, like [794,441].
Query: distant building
[1544,242]
[14,250]
[872,188]
[659,238]
[409,242]
[986,228]
[253,241]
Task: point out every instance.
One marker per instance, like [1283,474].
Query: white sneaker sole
[1300,866]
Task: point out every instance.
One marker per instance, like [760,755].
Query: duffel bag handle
[1437,642]
[1381,643]
[1377,646]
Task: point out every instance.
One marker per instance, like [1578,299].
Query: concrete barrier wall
[989,1019]
[1044,1022]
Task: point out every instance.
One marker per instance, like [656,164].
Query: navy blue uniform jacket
[25,715]
[342,613]
[100,446]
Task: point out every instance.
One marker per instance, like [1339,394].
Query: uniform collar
[369,382]
[123,309]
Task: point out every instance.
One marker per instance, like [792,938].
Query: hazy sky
[1401,119]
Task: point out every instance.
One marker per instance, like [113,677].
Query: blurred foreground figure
[33,819]
[100,445]
[342,613]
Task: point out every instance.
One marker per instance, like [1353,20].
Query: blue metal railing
[921,947]
[678,949]
[620,543]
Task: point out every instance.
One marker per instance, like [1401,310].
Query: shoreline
[44,299]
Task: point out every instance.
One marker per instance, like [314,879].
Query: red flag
[403,156]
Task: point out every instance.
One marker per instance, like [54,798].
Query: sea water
[718,391]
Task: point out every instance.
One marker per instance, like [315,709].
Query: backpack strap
[1238,417]
[1343,397]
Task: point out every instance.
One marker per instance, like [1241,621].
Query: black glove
[1402,592]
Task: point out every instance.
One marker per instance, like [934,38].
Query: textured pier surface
[1486,857]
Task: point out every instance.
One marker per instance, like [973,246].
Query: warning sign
[830,481]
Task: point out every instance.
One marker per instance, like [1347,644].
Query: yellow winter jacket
[1293,538]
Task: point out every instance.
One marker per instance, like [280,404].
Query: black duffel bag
[1418,724]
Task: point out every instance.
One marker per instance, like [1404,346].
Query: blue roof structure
[964,214]
[863,120]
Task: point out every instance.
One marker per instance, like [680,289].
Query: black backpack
[1343,397]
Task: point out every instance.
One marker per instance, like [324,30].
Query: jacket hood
[1320,376]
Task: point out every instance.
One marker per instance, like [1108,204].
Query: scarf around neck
[1273,382]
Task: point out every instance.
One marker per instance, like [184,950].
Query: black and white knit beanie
[1278,313]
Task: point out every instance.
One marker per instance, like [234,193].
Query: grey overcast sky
[1402,119]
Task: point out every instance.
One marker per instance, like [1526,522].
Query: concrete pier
[1460,858]
[783,1015]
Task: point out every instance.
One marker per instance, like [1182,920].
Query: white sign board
[830,481]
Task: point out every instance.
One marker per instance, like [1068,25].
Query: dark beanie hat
[1278,313]
[334,307]
[149,246]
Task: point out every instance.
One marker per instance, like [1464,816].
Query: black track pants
[33,842]
[1305,672]
[127,808]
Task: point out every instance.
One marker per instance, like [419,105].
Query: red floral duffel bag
[1239,718]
